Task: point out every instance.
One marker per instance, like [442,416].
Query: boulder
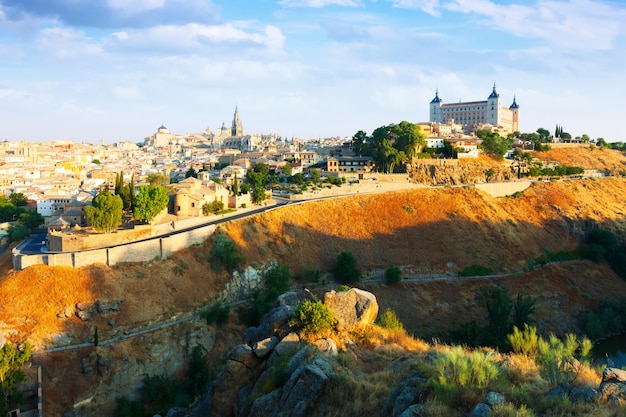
[584,394]
[406,394]
[613,385]
[481,410]
[352,309]
[264,347]
[493,398]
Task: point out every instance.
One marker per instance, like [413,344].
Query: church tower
[515,114]
[493,108]
[237,129]
[435,108]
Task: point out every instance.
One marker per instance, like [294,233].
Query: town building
[474,115]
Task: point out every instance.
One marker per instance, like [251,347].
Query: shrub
[408,209]
[457,368]
[346,271]
[557,357]
[389,320]
[525,342]
[225,253]
[393,274]
[313,318]
[474,271]
[216,313]
[277,279]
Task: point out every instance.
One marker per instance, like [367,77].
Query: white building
[472,114]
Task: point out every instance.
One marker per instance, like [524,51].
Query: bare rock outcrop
[352,308]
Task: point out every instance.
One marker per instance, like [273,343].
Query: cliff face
[458,175]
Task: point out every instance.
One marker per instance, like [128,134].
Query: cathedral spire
[237,128]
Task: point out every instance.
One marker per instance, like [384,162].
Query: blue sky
[118,69]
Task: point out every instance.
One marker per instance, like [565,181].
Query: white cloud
[427,6]
[319,3]
[135,6]
[573,24]
[192,37]
[67,43]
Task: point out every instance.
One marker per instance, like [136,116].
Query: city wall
[142,251]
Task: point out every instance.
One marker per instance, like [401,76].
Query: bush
[277,279]
[217,313]
[389,320]
[225,254]
[474,271]
[313,318]
[393,274]
[346,271]
[557,357]
[525,342]
[457,368]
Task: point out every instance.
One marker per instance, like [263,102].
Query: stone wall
[141,251]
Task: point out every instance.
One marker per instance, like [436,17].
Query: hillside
[427,232]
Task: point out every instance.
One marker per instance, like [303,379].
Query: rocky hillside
[427,232]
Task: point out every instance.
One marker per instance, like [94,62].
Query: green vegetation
[225,254]
[457,369]
[603,246]
[390,146]
[502,314]
[12,362]
[25,219]
[475,271]
[393,274]
[313,318]
[158,393]
[389,320]
[217,313]
[493,144]
[18,199]
[561,360]
[105,212]
[608,317]
[346,271]
[150,201]
[276,283]
[213,207]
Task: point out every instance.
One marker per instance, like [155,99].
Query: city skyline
[117,70]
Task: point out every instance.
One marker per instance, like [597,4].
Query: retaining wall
[501,189]
[142,251]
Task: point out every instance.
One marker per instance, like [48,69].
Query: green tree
[96,161]
[523,308]
[18,199]
[158,179]
[346,271]
[286,169]
[235,185]
[17,232]
[393,274]
[494,144]
[359,142]
[31,219]
[105,212]
[499,306]
[150,201]
[315,175]
[544,134]
[225,253]
[11,375]
[277,279]
[191,173]
[245,188]
[258,187]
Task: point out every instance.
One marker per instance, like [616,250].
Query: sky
[117,70]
